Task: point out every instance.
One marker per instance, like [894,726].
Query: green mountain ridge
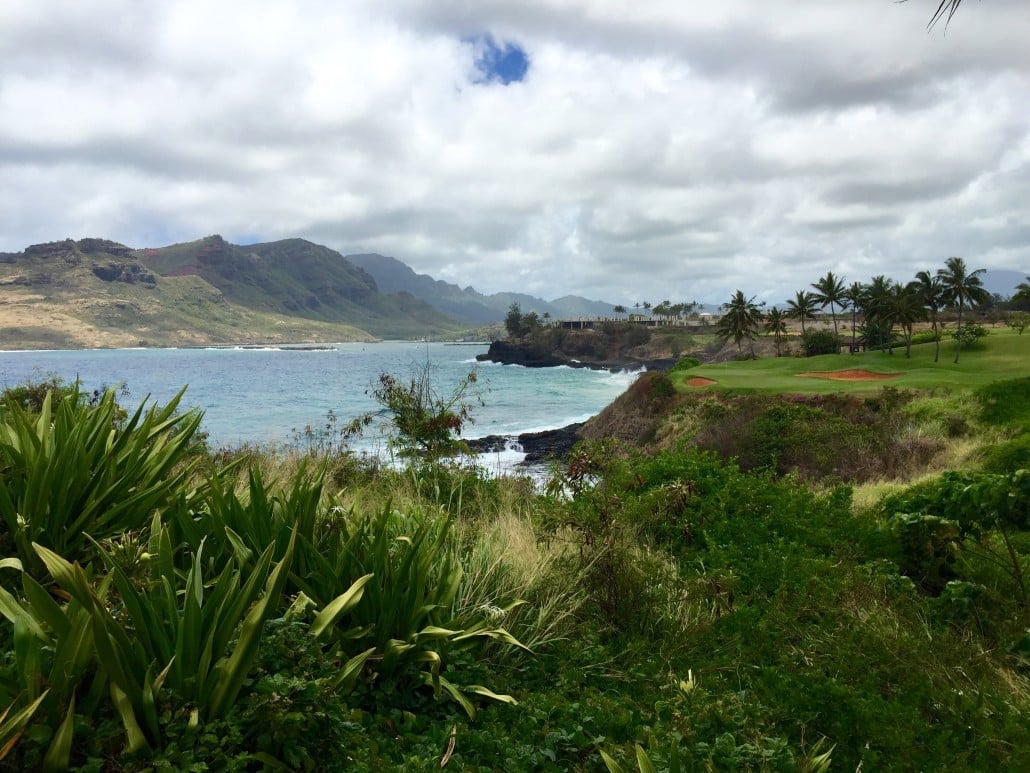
[99,293]
[301,279]
[468,305]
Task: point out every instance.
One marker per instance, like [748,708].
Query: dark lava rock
[130,273]
[107,246]
[508,353]
[538,446]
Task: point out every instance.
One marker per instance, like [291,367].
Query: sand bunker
[850,375]
[699,381]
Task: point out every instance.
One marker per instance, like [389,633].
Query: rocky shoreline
[508,353]
[538,446]
[545,446]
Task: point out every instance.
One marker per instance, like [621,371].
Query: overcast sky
[625,150]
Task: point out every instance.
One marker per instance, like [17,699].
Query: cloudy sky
[626,150]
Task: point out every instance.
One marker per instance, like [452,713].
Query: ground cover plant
[653,608]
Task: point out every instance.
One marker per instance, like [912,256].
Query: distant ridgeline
[466,304]
[95,292]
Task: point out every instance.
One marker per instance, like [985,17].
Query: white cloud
[654,149]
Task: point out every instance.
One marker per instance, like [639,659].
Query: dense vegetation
[170,607]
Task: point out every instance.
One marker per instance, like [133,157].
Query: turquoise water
[269,395]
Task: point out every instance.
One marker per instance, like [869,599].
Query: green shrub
[1007,457]
[817,342]
[970,333]
[1006,403]
[685,363]
[975,516]
[637,335]
[836,436]
[924,337]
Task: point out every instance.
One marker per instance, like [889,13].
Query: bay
[269,395]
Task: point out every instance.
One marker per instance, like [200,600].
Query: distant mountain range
[467,305]
[96,292]
[1002,281]
[298,278]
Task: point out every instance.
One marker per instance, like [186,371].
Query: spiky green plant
[75,471]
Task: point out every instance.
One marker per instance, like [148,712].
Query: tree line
[876,307]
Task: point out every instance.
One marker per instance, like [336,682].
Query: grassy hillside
[96,293]
[300,279]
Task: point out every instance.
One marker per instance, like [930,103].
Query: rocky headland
[619,347]
[532,356]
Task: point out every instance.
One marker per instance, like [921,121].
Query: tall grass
[514,578]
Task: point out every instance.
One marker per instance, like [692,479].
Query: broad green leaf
[11,729]
[435,632]
[610,763]
[135,738]
[68,576]
[339,606]
[456,694]
[344,681]
[15,612]
[60,750]
[44,606]
[643,761]
[497,634]
[230,679]
[478,689]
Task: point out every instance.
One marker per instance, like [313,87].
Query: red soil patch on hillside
[699,381]
[850,375]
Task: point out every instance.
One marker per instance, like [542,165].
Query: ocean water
[269,395]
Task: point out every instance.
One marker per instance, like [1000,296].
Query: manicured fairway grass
[1001,355]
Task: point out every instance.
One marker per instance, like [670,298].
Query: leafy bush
[959,514]
[1006,403]
[427,422]
[817,342]
[1007,457]
[924,337]
[970,333]
[685,363]
[837,436]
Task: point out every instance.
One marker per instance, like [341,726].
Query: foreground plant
[76,471]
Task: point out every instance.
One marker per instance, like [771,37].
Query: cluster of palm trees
[666,309]
[882,305]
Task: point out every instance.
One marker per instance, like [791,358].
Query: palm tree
[961,288]
[855,295]
[879,321]
[619,309]
[906,308]
[946,8]
[776,323]
[932,293]
[1022,294]
[830,291]
[740,320]
[802,307]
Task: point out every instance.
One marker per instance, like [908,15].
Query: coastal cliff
[613,346]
